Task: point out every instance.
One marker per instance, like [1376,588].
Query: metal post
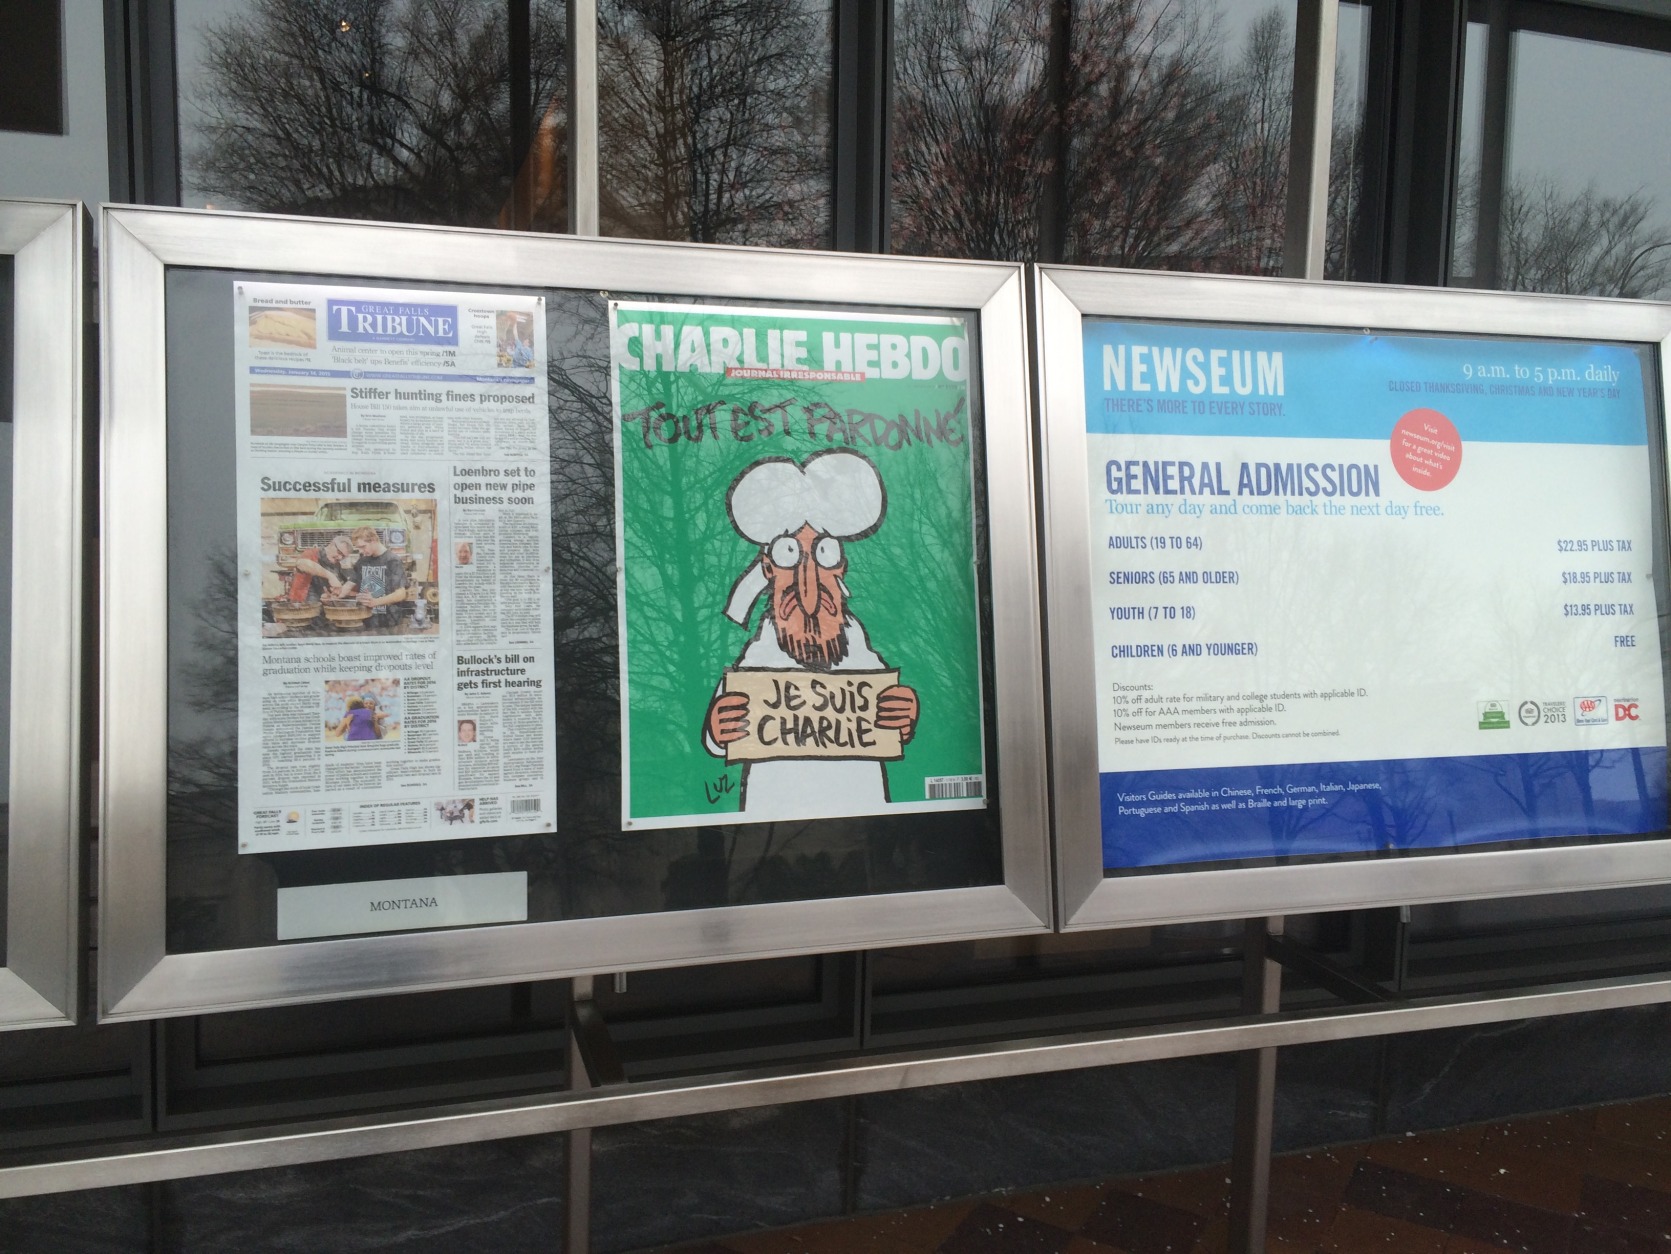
[583,117]
[1426,107]
[859,217]
[519,45]
[1250,1161]
[578,1198]
[1317,23]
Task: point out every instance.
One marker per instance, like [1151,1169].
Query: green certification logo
[1493,717]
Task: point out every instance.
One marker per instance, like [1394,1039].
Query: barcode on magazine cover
[942,787]
[525,805]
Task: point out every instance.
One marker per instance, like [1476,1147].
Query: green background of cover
[912,583]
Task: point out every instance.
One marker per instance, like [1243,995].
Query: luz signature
[719,788]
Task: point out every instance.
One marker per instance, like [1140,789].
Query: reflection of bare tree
[970,117]
[1250,193]
[1175,158]
[1583,243]
[714,120]
[1401,810]
[1347,157]
[1147,139]
[203,761]
[1582,764]
[211,674]
[1301,812]
[371,109]
[1528,780]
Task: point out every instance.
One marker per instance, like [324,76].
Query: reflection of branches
[1250,195]
[211,672]
[1147,140]
[1288,823]
[1583,243]
[371,109]
[1400,810]
[203,765]
[1174,157]
[1526,779]
[714,120]
[970,115]
[207,761]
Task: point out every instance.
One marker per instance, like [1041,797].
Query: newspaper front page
[395,661]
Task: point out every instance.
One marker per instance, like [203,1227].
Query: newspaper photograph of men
[335,567]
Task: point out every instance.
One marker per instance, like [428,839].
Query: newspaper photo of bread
[283,328]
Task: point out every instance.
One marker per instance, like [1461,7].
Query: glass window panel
[32,89]
[1585,206]
[971,113]
[439,111]
[714,120]
[68,158]
[590,867]
[1141,133]
[1470,142]
[1344,253]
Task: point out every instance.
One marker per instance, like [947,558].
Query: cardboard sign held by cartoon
[794,715]
[809,707]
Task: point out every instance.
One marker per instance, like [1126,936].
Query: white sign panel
[1356,593]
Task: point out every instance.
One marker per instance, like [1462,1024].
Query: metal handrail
[155,1159]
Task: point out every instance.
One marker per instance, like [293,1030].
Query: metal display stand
[1087,897]
[48,244]
[610,1104]
[139,978]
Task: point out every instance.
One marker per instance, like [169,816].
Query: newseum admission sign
[1355,594]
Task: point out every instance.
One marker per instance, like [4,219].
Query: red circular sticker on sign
[1426,449]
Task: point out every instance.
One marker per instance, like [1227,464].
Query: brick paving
[1593,1181]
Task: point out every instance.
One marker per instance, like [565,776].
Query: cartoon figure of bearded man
[802,517]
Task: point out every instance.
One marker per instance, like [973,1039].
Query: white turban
[836,493]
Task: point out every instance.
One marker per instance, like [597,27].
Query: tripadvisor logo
[1493,717]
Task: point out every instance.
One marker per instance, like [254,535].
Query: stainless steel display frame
[139,979]
[1086,898]
[47,241]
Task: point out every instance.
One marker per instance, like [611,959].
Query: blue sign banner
[1144,378]
[391,322]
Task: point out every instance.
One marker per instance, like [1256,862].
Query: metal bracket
[595,1047]
[1348,985]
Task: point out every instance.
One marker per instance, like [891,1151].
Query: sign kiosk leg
[577,1199]
[1250,1160]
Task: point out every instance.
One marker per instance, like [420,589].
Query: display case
[1355,594]
[42,329]
[483,607]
